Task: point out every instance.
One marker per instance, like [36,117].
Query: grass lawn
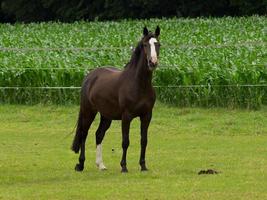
[36,161]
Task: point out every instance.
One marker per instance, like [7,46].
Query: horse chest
[144,105]
[140,104]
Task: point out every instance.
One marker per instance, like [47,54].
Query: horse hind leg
[84,122]
[99,135]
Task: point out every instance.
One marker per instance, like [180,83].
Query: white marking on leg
[99,160]
[152,42]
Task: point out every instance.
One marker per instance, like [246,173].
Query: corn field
[203,62]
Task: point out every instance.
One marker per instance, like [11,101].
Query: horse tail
[76,144]
[84,112]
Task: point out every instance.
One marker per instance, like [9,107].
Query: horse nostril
[154,61]
[151,61]
[152,64]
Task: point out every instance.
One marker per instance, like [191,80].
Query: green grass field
[36,161]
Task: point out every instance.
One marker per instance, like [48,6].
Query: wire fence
[156,86]
[165,66]
[178,46]
[232,96]
[161,67]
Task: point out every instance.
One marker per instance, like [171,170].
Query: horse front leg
[145,121]
[126,120]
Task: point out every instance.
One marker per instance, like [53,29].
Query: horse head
[151,45]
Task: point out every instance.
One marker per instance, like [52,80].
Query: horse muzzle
[152,64]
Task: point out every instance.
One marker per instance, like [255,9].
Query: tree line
[73,10]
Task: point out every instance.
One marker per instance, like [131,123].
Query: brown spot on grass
[208,171]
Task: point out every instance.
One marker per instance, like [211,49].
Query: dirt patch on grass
[208,171]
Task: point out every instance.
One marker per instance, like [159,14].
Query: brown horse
[119,95]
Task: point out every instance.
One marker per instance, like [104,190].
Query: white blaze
[99,160]
[152,42]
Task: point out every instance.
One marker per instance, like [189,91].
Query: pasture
[204,62]
[36,161]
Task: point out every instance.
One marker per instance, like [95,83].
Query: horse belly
[111,112]
[107,105]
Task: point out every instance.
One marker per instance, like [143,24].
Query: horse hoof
[101,167]
[144,169]
[78,168]
[124,170]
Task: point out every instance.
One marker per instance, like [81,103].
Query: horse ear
[145,31]
[157,32]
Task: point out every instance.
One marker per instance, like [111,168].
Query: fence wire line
[156,86]
[179,46]
[161,67]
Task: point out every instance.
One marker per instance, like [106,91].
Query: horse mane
[135,55]
[137,51]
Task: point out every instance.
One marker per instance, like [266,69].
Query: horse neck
[140,72]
